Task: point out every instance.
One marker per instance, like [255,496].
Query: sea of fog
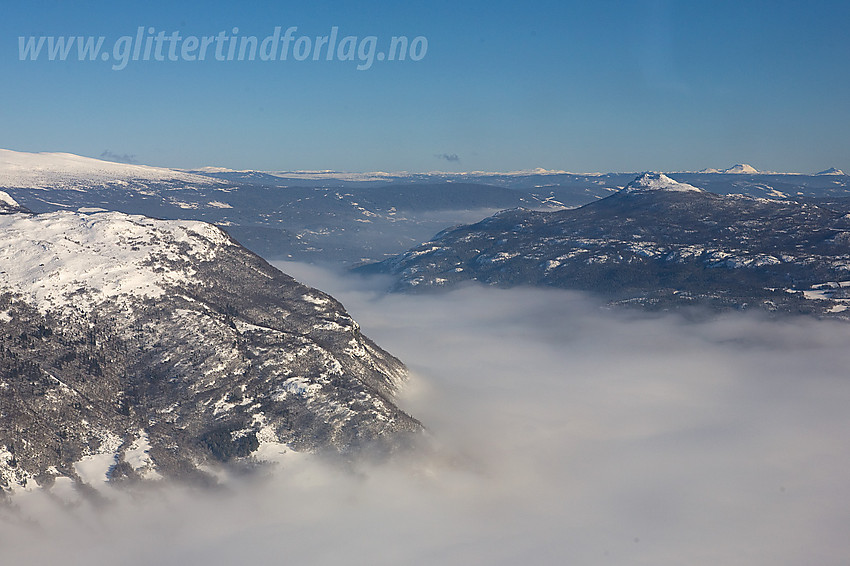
[560,433]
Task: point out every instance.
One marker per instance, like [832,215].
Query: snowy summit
[162,348]
[39,170]
[741,169]
[658,182]
[65,260]
[831,171]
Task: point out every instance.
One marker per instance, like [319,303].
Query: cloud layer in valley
[561,433]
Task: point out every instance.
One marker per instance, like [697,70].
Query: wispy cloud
[452,157]
[120,158]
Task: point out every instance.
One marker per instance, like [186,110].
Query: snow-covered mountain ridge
[41,170]
[68,260]
[654,244]
[25,169]
[658,182]
[134,348]
[831,171]
[348,217]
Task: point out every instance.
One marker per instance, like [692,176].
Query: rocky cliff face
[135,348]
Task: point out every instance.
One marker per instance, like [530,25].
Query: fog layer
[561,433]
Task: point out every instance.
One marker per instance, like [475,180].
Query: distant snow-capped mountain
[39,170]
[658,182]
[741,169]
[343,217]
[738,169]
[656,243]
[831,171]
[134,348]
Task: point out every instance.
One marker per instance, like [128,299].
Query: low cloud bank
[562,433]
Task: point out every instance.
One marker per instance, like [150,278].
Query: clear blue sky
[581,86]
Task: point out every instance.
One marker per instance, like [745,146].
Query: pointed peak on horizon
[741,169]
[831,171]
[653,181]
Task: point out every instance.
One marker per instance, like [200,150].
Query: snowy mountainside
[831,171]
[658,182]
[133,348]
[653,245]
[79,266]
[65,170]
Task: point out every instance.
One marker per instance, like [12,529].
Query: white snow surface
[831,171]
[7,200]
[94,469]
[325,175]
[658,182]
[39,170]
[137,454]
[12,477]
[138,457]
[741,169]
[70,260]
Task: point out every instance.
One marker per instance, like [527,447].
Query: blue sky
[581,86]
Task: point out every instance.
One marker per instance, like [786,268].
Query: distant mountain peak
[650,181]
[741,169]
[657,250]
[830,171]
